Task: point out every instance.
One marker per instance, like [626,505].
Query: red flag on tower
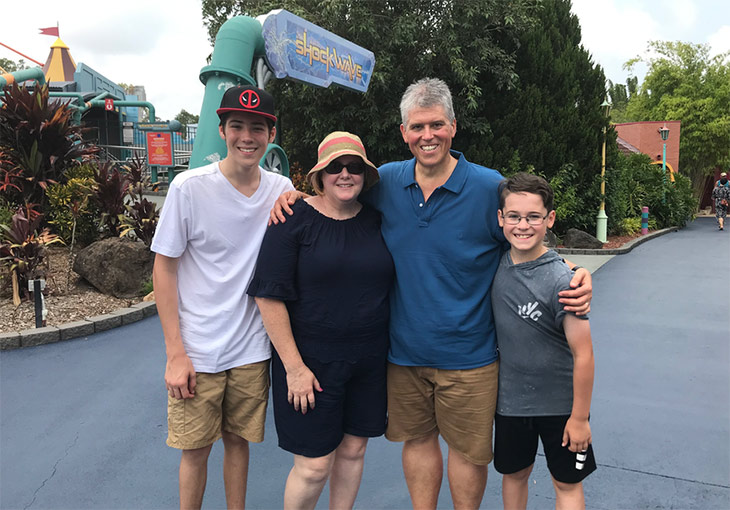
[49,31]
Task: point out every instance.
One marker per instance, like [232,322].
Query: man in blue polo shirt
[439,221]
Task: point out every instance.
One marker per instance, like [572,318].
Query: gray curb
[86,327]
[616,251]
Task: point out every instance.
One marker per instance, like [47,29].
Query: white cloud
[720,40]
[683,14]
[614,33]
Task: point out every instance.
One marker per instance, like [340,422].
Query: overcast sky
[162,44]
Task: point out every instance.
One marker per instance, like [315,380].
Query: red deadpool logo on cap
[249,99]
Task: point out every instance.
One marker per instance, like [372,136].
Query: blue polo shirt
[446,252]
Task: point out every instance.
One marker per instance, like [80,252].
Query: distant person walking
[721,194]
[722,182]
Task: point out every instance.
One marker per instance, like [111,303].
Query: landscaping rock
[575,238]
[116,266]
[550,240]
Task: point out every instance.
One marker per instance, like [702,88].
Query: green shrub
[635,183]
[6,212]
[70,202]
[630,226]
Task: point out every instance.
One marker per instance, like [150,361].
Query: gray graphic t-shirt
[535,362]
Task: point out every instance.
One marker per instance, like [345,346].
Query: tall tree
[464,43]
[552,117]
[684,83]
[185,118]
[619,96]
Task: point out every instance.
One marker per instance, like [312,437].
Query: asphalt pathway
[83,422]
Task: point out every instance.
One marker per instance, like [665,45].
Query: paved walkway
[83,422]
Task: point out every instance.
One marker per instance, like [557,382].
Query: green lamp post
[664,133]
[602,218]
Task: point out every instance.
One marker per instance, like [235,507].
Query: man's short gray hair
[425,93]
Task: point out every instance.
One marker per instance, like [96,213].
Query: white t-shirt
[216,233]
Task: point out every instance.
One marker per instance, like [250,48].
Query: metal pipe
[20,76]
[99,103]
[238,41]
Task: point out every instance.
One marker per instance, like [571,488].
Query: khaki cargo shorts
[233,400]
[458,404]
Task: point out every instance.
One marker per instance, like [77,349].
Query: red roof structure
[645,137]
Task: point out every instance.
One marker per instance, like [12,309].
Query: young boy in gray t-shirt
[546,356]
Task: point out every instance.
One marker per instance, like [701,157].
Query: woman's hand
[302,383]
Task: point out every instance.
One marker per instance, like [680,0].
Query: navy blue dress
[334,277]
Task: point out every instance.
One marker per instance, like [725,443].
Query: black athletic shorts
[353,401]
[515,447]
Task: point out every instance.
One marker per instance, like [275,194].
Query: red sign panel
[159,149]
[109,104]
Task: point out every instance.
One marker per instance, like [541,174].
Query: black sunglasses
[336,167]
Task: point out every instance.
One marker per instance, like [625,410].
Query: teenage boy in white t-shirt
[207,241]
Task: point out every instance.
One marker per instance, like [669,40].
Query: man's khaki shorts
[458,404]
[233,400]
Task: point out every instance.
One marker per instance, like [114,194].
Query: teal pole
[26,74]
[238,41]
[664,173]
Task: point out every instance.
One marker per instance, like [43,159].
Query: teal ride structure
[250,51]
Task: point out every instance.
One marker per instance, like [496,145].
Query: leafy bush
[140,216]
[71,212]
[6,212]
[39,138]
[630,226]
[23,249]
[635,183]
[110,192]
[11,179]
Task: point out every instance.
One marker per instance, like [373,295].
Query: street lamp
[602,219]
[664,133]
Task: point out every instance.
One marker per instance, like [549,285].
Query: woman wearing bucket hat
[321,283]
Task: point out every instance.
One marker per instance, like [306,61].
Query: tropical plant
[70,210]
[23,249]
[39,138]
[10,176]
[140,217]
[112,186]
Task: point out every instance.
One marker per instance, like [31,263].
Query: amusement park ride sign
[302,51]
